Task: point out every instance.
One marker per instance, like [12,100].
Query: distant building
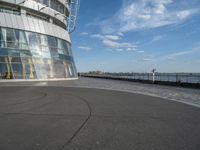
[34,43]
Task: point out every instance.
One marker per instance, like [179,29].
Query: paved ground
[69,118]
[185,95]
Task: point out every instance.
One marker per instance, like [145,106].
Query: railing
[178,78]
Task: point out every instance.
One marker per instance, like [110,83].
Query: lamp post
[153,72]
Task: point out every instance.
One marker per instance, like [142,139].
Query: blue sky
[137,36]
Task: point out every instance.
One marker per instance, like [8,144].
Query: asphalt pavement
[72,118]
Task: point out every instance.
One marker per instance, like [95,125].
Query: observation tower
[35,39]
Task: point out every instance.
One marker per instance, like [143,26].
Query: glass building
[34,43]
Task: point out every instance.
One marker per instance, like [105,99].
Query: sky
[137,36]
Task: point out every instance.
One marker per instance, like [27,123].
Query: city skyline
[137,36]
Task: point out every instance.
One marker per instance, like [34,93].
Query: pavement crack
[81,126]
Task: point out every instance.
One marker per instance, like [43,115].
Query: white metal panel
[50,29]
[56,32]
[36,25]
[8,20]
[60,31]
[63,33]
[20,22]
[31,24]
[31,4]
[41,26]
[14,21]
[2,20]
[46,28]
[26,24]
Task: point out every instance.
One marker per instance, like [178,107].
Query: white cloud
[85,48]
[184,14]
[84,33]
[110,37]
[113,37]
[119,45]
[112,42]
[99,36]
[146,14]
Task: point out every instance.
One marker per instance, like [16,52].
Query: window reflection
[2,37]
[3,70]
[32,40]
[23,44]
[27,55]
[35,42]
[60,47]
[54,4]
[11,38]
[57,6]
[9,10]
[46,2]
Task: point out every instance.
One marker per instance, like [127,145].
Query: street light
[153,71]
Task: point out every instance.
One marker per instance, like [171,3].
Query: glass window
[28,68]
[30,71]
[59,69]
[45,53]
[60,47]
[70,70]
[57,6]
[2,37]
[3,70]
[52,41]
[40,68]
[22,40]
[69,49]
[61,8]
[11,39]
[16,60]
[46,2]
[43,40]
[66,48]
[33,41]
[41,61]
[2,59]
[17,70]
[9,10]
[53,46]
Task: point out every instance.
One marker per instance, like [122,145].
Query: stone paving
[185,95]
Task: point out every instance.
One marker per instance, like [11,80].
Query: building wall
[34,44]
[32,25]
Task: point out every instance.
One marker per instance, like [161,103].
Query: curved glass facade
[29,55]
[54,4]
